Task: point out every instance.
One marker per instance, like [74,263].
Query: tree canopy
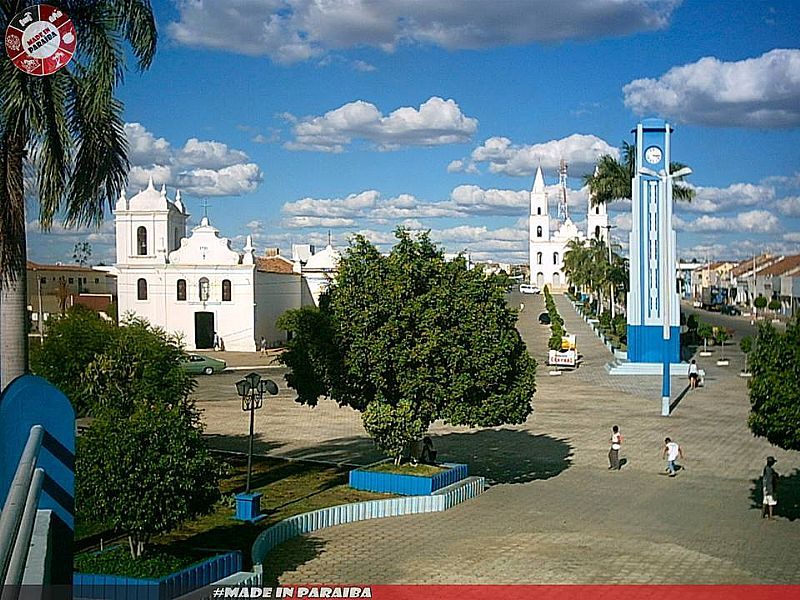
[775,385]
[142,463]
[409,338]
[65,133]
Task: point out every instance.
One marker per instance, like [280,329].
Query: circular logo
[40,40]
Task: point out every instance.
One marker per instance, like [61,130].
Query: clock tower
[653,302]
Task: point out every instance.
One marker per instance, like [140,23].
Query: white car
[527,288]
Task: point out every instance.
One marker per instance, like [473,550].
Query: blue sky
[295,117]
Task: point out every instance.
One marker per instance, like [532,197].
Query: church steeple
[540,215]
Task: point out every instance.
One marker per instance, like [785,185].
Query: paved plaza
[553,512]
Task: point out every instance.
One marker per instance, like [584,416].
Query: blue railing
[19,511]
[114,587]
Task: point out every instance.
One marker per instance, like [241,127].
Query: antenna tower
[563,208]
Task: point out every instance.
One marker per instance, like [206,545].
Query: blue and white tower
[653,303]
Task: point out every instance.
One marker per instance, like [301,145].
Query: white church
[547,247]
[197,286]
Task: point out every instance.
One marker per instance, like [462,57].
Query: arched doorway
[540,279]
[556,280]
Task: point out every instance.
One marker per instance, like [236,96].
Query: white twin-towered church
[547,248]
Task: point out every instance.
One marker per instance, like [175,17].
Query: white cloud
[789,206]
[478,200]
[203,168]
[714,199]
[290,31]
[754,221]
[435,122]
[793,236]
[756,92]
[579,150]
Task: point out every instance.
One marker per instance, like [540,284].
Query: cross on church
[205,207]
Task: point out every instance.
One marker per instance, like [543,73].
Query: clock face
[653,155]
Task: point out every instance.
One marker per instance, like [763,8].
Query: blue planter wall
[406,485]
[114,587]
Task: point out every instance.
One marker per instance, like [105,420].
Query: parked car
[527,288]
[544,318]
[195,364]
[730,309]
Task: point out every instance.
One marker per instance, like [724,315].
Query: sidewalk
[555,514]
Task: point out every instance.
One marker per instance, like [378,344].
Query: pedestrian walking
[769,482]
[694,375]
[263,346]
[521,306]
[671,452]
[216,341]
[613,453]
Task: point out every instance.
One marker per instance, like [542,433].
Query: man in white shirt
[671,452]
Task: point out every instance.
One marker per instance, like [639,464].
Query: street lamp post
[663,264]
[251,390]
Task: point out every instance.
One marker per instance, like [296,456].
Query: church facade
[197,286]
[548,237]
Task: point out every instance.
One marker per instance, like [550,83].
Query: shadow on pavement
[506,455]
[289,556]
[787,495]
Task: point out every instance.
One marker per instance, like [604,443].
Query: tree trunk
[13,259]
[133,548]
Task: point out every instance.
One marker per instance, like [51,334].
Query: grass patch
[408,469]
[157,562]
[288,488]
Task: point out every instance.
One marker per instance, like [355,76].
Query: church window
[181,289]
[177,239]
[597,209]
[597,232]
[141,289]
[226,290]
[204,289]
[539,210]
[538,258]
[539,231]
[141,241]
[555,258]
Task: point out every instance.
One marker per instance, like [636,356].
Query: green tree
[775,385]
[747,347]
[67,129]
[409,338]
[73,342]
[774,305]
[760,303]
[705,331]
[721,336]
[612,178]
[146,473]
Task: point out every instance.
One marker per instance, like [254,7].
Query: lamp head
[682,172]
[253,379]
[269,386]
[648,172]
[242,387]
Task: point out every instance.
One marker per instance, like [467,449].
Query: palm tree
[612,178]
[65,131]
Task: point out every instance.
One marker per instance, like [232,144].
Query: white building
[547,248]
[197,286]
